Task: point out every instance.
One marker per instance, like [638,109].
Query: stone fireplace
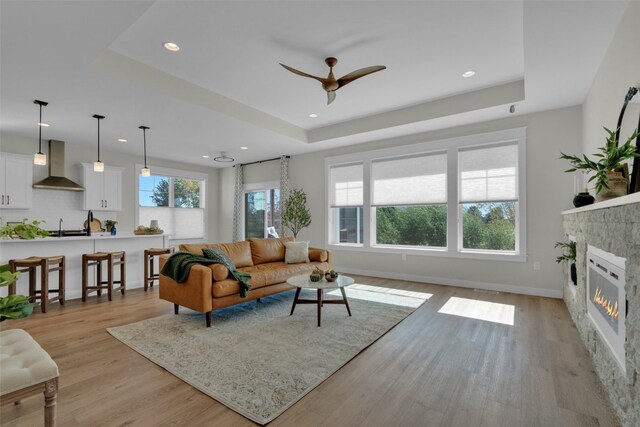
[605,304]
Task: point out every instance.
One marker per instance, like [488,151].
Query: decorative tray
[144,232]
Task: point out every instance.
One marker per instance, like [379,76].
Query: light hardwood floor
[432,369]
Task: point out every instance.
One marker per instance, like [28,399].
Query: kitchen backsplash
[51,205]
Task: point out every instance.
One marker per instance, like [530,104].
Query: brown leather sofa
[210,287]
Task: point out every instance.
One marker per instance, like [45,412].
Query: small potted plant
[109,224]
[608,168]
[330,276]
[569,256]
[13,306]
[316,275]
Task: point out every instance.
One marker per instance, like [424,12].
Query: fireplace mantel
[618,201]
[614,227]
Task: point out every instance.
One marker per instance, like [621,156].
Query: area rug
[257,359]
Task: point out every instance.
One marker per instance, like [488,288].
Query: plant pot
[582,199]
[618,186]
[108,228]
[574,273]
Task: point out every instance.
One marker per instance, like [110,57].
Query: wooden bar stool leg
[44,284]
[123,273]
[12,287]
[84,278]
[146,271]
[110,276]
[61,279]
[151,262]
[32,284]
[99,277]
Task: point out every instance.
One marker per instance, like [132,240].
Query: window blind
[346,186]
[488,174]
[417,180]
[182,223]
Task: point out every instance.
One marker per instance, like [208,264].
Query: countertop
[94,236]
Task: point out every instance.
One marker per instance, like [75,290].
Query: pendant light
[40,158]
[98,166]
[145,171]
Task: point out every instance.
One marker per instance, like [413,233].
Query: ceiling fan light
[145,171]
[98,166]
[223,158]
[40,159]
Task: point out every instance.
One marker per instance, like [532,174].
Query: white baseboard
[525,290]
[77,294]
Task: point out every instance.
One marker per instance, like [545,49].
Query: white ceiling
[225,89]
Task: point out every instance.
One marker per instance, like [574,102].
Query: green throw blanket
[179,264]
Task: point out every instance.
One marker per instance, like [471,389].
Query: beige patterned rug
[258,360]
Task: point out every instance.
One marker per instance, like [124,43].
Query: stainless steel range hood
[56,179]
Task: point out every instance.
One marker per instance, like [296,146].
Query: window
[489,197]
[176,200]
[262,213]
[461,197]
[346,200]
[409,199]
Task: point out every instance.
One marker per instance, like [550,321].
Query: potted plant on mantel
[610,181]
[569,256]
[296,215]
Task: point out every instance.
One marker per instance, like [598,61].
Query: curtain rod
[262,161]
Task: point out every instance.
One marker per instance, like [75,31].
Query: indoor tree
[296,215]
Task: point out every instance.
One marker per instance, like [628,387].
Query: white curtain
[284,186]
[237,203]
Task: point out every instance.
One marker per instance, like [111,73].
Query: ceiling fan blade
[331,95]
[344,80]
[303,74]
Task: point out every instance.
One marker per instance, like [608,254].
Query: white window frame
[175,173]
[454,219]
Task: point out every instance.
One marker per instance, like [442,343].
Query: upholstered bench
[26,369]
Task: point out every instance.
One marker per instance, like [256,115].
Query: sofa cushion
[220,272]
[231,286]
[268,250]
[239,252]
[296,252]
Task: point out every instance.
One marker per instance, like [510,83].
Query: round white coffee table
[303,282]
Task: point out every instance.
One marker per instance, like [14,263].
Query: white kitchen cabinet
[103,190]
[16,180]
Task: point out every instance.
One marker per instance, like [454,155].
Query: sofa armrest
[195,293]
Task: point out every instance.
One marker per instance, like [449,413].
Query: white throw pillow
[296,252]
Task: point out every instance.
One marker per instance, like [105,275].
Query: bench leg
[50,402]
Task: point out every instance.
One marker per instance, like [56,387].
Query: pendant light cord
[144,138]
[98,139]
[40,132]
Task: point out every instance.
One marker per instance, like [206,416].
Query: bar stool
[47,265]
[113,260]
[149,257]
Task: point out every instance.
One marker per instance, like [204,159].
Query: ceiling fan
[331,84]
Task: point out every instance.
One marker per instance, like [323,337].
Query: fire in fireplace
[606,305]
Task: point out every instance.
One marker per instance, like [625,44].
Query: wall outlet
[404,257]
[536,265]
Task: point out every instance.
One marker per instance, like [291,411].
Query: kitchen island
[73,247]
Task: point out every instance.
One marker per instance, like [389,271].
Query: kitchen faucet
[89,221]
[60,228]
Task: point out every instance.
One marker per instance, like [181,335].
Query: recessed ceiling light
[469,73]
[205,157]
[44,125]
[122,140]
[244,148]
[313,115]
[170,46]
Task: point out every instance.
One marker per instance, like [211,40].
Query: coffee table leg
[319,305]
[295,300]
[344,296]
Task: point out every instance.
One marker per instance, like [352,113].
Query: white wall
[54,204]
[619,70]
[549,191]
